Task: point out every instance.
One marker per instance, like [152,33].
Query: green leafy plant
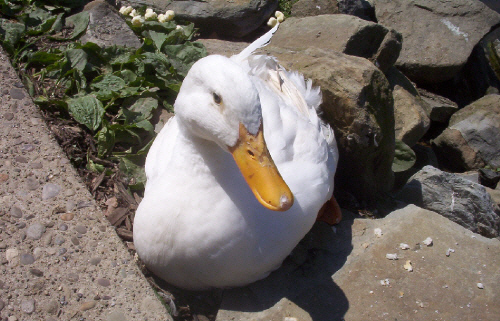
[113,92]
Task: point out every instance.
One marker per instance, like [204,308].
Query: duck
[238,176]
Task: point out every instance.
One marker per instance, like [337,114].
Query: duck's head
[219,102]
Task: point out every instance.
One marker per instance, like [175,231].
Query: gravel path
[59,257]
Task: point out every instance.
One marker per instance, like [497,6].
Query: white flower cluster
[138,20]
[274,21]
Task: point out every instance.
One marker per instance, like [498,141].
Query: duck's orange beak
[255,163]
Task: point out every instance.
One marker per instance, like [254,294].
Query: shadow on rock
[302,287]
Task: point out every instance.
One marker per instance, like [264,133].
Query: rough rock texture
[438,108]
[357,101]
[46,256]
[305,8]
[411,120]
[106,27]
[471,140]
[235,18]
[342,33]
[454,197]
[346,275]
[438,35]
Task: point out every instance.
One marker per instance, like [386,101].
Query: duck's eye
[217,99]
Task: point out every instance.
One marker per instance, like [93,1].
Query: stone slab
[60,259]
[346,275]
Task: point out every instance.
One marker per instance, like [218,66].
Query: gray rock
[306,8]
[358,104]
[52,307]
[50,191]
[471,140]
[32,183]
[28,306]
[438,108]
[26,259]
[335,283]
[35,231]
[107,28]
[16,212]
[116,316]
[438,36]
[454,197]
[235,18]
[411,120]
[342,33]
[17,93]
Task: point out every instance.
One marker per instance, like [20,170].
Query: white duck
[216,211]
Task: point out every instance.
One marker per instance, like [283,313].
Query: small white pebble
[391,256]
[377,232]
[480,286]
[427,241]
[404,246]
[371,292]
[385,282]
[449,251]
[408,266]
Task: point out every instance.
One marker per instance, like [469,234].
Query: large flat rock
[347,275]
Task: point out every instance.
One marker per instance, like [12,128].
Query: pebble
[36,272]
[2,304]
[63,227]
[27,259]
[8,116]
[116,316]
[377,232]
[21,159]
[67,216]
[81,229]
[75,240]
[404,246]
[73,277]
[391,256]
[3,177]
[3,245]
[95,260]
[103,282]
[32,184]
[11,255]
[20,225]
[16,212]
[428,241]
[62,251]
[35,231]
[87,305]
[28,306]
[59,240]
[52,307]
[37,165]
[449,251]
[27,147]
[480,286]
[16,93]
[50,191]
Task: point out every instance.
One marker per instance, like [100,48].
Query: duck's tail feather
[259,43]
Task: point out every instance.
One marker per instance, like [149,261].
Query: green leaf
[138,109]
[109,82]
[94,167]
[11,32]
[77,58]
[133,168]
[87,110]
[80,21]
[105,141]
[404,157]
[182,57]
[43,58]
[158,39]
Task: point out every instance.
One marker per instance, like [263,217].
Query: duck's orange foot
[330,213]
